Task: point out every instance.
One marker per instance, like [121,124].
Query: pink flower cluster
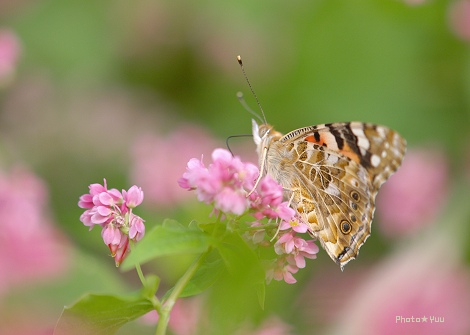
[9,54]
[293,251]
[226,184]
[112,210]
[419,189]
[459,19]
[32,249]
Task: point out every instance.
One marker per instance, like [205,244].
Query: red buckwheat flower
[226,184]
[112,210]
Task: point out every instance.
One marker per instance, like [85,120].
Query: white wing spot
[375,160]
[354,182]
[381,131]
[362,140]
[361,175]
[332,159]
[332,190]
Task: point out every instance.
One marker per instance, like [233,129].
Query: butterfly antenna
[239,59]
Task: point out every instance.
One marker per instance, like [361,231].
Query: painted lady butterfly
[331,174]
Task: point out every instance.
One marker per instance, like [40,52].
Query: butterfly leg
[291,197]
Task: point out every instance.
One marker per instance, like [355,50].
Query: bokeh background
[130,90]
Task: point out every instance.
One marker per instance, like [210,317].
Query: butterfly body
[331,174]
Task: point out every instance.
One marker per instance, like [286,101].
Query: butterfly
[331,174]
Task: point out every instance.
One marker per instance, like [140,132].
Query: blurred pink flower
[406,294]
[158,161]
[415,194]
[414,2]
[112,210]
[188,318]
[30,247]
[270,326]
[459,19]
[9,54]
[36,325]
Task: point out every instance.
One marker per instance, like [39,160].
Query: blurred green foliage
[309,62]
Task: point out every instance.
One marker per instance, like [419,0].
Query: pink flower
[422,280]
[282,269]
[137,228]
[120,251]
[31,248]
[271,191]
[9,54]
[86,200]
[267,202]
[414,196]
[414,2]
[185,319]
[111,235]
[296,246]
[459,19]
[133,197]
[296,225]
[231,201]
[271,326]
[112,210]
[225,182]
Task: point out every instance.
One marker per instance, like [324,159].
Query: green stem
[155,302]
[141,274]
[164,315]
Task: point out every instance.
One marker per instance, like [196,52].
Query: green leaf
[240,258]
[171,238]
[213,228]
[239,292]
[243,264]
[261,293]
[101,314]
[173,224]
[204,278]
